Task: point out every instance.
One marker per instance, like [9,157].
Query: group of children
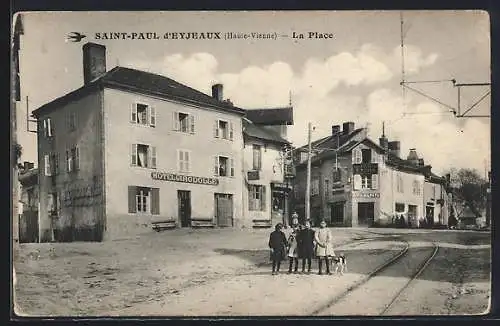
[303,243]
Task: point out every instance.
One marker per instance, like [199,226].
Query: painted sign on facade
[184,178]
[358,194]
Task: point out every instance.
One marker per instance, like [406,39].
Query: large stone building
[131,148]
[356,182]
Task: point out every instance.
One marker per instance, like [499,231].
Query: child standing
[293,250]
[306,246]
[277,244]
[324,249]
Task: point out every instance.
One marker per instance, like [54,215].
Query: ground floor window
[278,200]
[337,212]
[143,200]
[399,208]
[257,198]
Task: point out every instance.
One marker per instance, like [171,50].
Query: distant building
[29,201]
[265,168]
[356,182]
[131,149]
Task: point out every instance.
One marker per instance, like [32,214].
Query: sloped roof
[253,130]
[332,141]
[271,116]
[146,83]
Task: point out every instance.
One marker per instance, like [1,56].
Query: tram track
[366,287]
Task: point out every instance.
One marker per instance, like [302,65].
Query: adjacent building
[28,202]
[266,168]
[357,182]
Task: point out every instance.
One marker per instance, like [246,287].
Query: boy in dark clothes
[277,244]
[306,246]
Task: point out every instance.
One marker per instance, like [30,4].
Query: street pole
[308,184]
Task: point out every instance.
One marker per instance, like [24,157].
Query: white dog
[339,264]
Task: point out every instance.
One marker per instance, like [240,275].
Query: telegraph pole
[308,184]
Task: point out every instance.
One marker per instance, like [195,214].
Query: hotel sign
[366,194]
[365,168]
[184,178]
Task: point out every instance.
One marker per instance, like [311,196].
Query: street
[188,272]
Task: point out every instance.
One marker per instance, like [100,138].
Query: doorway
[224,210]
[429,215]
[366,213]
[184,204]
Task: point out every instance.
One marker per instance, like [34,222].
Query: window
[257,157]
[47,165]
[327,188]
[366,155]
[315,187]
[223,129]
[337,213]
[48,130]
[357,156]
[257,198]
[223,166]
[416,188]
[374,181]
[184,122]
[399,184]
[143,200]
[143,114]
[143,156]
[400,208]
[183,162]
[72,159]
[71,121]
[51,164]
[366,182]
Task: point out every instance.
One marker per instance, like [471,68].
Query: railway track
[367,289]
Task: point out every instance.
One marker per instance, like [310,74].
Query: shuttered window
[357,156]
[183,122]
[357,182]
[257,198]
[155,201]
[374,181]
[48,168]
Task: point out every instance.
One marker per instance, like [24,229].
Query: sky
[353,76]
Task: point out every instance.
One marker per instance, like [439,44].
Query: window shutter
[132,207]
[231,131]
[48,172]
[133,155]
[77,158]
[357,182]
[232,167]
[56,163]
[45,132]
[133,113]
[153,157]
[216,165]
[263,198]
[374,157]
[49,127]
[176,124]
[358,156]
[68,164]
[187,161]
[216,129]
[374,181]
[155,201]
[191,123]
[152,116]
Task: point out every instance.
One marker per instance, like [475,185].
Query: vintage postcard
[319,163]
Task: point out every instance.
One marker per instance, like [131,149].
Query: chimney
[348,127]
[335,129]
[217,92]
[421,162]
[94,61]
[413,157]
[383,141]
[395,147]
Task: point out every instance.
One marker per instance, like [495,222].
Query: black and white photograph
[251,163]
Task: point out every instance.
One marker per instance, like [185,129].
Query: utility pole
[308,184]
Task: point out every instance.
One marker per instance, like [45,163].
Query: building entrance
[366,214]
[184,204]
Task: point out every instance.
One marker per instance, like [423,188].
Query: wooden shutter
[133,113]
[232,166]
[56,163]
[155,201]
[216,165]
[133,155]
[45,132]
[231,131]
[187,161]
[357,182]
[358,156]
[180,157]
[77,158]
[263,198]
[176,124]
[68,161]
[374,181]
[152,116]
[132,207]
[153,157]
[49,127]
[48,171]
[374,157]
[191,123]
[216,129]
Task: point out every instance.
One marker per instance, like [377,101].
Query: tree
[468,189]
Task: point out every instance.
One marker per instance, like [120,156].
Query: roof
[271,116]
[332,141]
[145,83]
[255,131]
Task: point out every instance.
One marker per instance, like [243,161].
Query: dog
[339,264]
